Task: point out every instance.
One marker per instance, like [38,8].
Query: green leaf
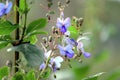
[36,25]
[94,77]
[4,71]
[74,33]
[18,76]
[32,53]
[46,74]
[35,33]
[30,75]
[114,75]
[7,27]
[33,39]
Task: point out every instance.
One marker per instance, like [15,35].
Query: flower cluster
[67,47]
[5,8]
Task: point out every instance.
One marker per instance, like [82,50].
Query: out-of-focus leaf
[3,44]
[80,70]
[4,71]
[46,74]
[32,53]
[18,76]
[114,75]
[102,56]
[30,75]
[73,32]
[93,77]
[36,25]
[6,27]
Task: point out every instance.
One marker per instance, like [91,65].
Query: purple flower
[5,8]
[42,66]
[63,24]
[80,48]
[66,51]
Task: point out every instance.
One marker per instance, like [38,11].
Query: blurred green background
[102,19]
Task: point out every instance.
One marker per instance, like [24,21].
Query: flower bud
[44,40]
[59,4]
[81,21]
[53,29]
[67,1]
[50,38]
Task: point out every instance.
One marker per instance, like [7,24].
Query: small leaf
[36,25]
[33,39]
[4,71]
[30,75]
[94,77]
[23,8]
[7,27]
[32,53]
[73,32]
[18,76]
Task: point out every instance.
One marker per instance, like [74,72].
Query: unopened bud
[81,21]
[67,1]
[50,38]
[59,4]
[44,40]
[53,29]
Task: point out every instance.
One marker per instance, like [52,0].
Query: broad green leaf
[35,33]
[36,25]
[32,53]
[3,44]
[74,33]
[93,77]
[4,71]
[30,75]
[18,76]
[7,27]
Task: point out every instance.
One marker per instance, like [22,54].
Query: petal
[81,38]
[42,66]
[8,8]
[69,46]
[86,54]
[48,54]
[59,23]
[67,33]
[63,29]
[62,52]
[70,53]
[2,9]
[67,22]
[58,59]
[80,45]
[57,64]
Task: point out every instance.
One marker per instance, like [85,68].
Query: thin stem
[16,34]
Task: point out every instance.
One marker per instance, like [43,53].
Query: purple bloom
[63,24]
[80,48]
[5,8]
[66,51]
